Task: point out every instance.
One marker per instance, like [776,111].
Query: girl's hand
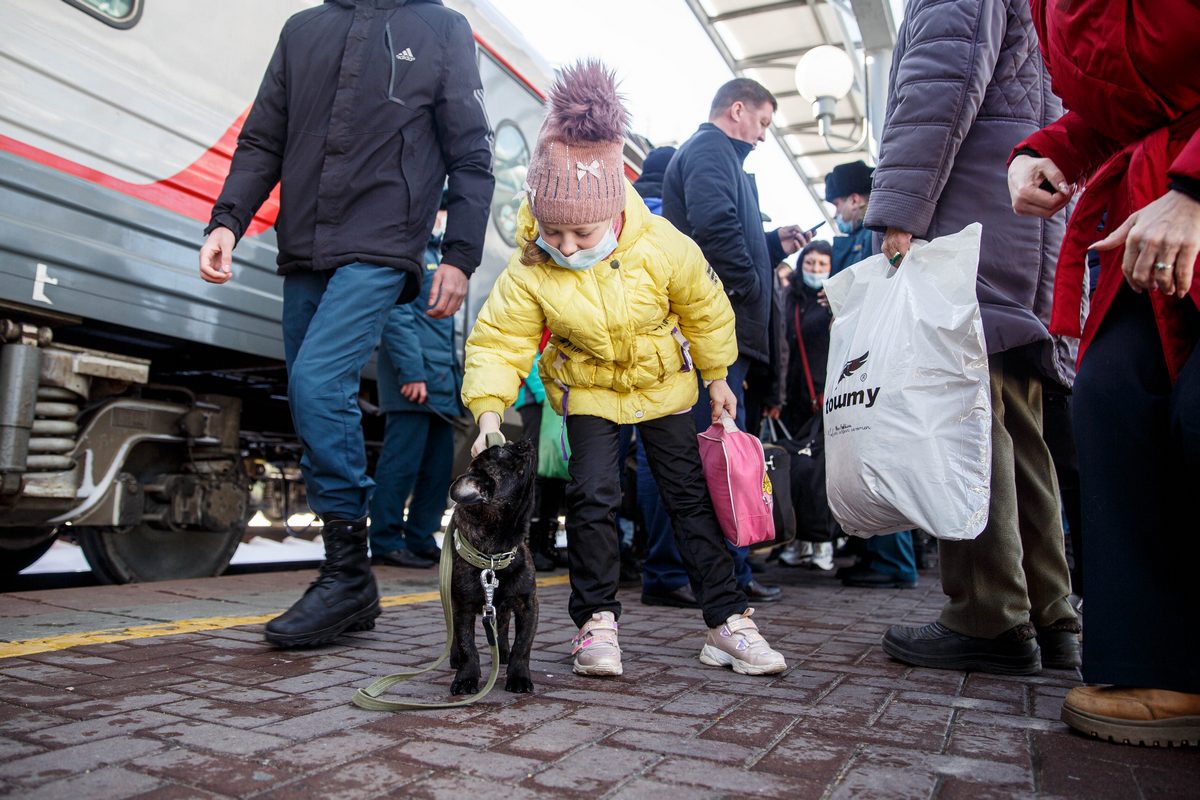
[721,399]
[1161,242]
[489,422]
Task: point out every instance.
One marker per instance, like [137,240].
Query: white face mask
[581,259]
[815,280]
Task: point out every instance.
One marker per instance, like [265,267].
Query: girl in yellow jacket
[633,311]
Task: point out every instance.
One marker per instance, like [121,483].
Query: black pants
[1060,438]
[1138,439]
[594,495]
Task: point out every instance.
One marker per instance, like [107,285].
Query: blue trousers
[893,555]
[332,321]
[417,459]
[662,570]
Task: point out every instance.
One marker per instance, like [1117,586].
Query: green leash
[368,698]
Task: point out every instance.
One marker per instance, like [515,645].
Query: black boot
[343,598]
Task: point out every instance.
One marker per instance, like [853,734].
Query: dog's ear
[468,490]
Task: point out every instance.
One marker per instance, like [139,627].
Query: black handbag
[814,520]
[779,470]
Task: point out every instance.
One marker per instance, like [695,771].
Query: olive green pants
[1016,570]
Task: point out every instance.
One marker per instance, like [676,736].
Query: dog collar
[482,560]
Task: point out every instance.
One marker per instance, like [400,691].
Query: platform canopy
[764,39]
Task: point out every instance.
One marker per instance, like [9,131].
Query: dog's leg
[525,609]
[466,679]
[502,617]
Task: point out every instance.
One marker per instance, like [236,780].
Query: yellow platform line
[66,641]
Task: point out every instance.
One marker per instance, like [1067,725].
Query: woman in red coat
[1130,74]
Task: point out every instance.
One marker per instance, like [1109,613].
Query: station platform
[167,690]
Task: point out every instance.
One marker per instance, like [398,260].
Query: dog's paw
[518,684]
[465,686]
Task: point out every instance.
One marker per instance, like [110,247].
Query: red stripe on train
[190,192]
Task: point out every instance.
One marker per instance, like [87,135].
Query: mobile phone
[814,228]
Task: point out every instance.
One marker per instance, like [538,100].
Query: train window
[117,13]
[511,166]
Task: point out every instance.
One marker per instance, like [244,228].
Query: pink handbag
[735,470]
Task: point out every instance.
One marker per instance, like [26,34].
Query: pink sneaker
[739,645]
[595,646]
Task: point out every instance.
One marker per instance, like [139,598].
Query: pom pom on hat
[577,171]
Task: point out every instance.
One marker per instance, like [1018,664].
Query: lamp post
[824,76]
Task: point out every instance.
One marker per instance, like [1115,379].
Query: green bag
[551,440]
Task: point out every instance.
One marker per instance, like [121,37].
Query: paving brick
[116,704]
[134,683]
[602,769]
[555,739]
[216,738]
[12,749]
[668,724]
[355,780]
[975,739]
[68,761]
[106,782]
[645,789]
[102,727]
[730,780]
[173,791]
[702,703]
[318,723]
[50,674]
[455,787]
[14,719]
[750,727]
[313,680]
[692,748]
[484,764]
[222,774]
[808,756]
[336,748]
[234,715]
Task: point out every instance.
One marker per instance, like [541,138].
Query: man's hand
[721,399]
[414,392]
[895,245]
[792,239]
[449,289]
[1026,176]
[489,422]
[216,256]
[1161,242]
[822,299]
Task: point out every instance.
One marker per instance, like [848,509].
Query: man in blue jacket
[419,381]
[365,108]
[709,196]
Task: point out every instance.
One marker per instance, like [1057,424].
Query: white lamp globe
[824,71]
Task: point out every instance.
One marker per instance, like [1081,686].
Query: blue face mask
[814,280]
[844,226]
[581,259]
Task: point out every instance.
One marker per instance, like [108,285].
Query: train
[143,412]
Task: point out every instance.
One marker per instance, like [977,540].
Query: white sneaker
[796,554]
[739,645]
[822,557]
[595,646]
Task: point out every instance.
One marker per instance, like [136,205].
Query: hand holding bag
[735,470]
[907,408]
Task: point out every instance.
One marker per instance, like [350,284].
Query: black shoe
[757,593]
[1060,645]
[403,558]
[1014,652]
[544,562]
[343,598]
[683,597]
[873,579]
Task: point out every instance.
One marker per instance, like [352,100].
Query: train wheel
[141,553]
[17,553]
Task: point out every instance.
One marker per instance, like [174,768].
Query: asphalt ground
[167,690]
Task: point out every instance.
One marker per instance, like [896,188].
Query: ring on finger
[1161,265]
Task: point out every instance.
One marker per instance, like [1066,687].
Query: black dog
[495,501]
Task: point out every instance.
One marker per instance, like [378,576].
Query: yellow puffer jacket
[612,342]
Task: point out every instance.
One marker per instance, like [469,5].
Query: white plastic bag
[907,399]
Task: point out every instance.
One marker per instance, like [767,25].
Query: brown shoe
[1134,716]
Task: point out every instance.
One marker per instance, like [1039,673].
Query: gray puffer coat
[967,84]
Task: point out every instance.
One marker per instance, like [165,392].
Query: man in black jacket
[364,109]
[709,196]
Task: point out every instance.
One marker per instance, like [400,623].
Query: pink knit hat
[577,171]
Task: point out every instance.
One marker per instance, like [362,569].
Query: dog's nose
[466,492]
